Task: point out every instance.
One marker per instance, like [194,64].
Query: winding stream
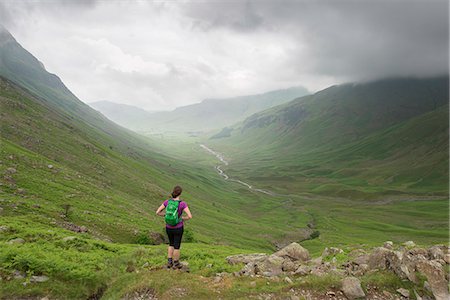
[226,177]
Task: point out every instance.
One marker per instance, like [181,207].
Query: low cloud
[159,55]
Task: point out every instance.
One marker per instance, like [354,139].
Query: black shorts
[175,235]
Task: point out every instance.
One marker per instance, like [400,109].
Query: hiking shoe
[177,265]
[169,265]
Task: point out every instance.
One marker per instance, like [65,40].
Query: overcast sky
[160,55]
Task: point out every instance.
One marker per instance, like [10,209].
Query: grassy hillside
[214,113]
[65,168]
[381,138]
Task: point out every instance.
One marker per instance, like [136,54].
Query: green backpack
[171,216]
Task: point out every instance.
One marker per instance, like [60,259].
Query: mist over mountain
[217,113]
[128,116]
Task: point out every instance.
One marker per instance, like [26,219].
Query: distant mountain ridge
[123,114]
[204,116]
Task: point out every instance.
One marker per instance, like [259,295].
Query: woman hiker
[174,225]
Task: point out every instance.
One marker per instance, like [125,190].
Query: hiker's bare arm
[188,212]
[160,209]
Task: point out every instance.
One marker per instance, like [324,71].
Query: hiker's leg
[170,252]
[178,234]
[176,254]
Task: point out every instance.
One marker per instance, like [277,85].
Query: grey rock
[409,244]
[246,258]
[50,166]
[435,274]
[303,270]
[331,251]
[288,280]
[17,241]
[18,275]
[11,170]
[436,252]
[41,278]
[4,228]
[388,245]
[293,251]
[289,266]
[351,286]
[403,292]
[272,265]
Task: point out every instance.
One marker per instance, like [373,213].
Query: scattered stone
[409,244]
[303,270]
[417,295]
[331,294]
[293,251]
[69,238]
[295,297]
[331,251]
[218,279]
[403,292]
[41,278]
[209,266]
[184,266]
[21,191]
[387,295]
[253,284]
[351,286]
[11,171]
[18,275]
[388,245]
[4,228]
[288,280]
[145,265]
[17,241]
[50,166]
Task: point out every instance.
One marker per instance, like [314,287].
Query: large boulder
[271,266]
[436,278]
[293,251]
[351,286]
[246,258]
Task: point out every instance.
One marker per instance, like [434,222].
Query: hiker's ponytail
[176,191]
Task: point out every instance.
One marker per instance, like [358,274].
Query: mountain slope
[216,113]
[125,115]
[353,138]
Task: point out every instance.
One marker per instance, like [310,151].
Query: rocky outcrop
[285,260]
[407,261]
